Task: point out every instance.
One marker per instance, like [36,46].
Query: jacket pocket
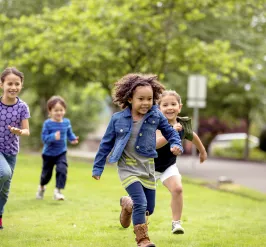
[149,133]
[121,131]
[153,121]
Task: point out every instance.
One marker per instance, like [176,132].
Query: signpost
[196,98]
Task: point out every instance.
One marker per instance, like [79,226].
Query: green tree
[83,109]
[99,41]
[18,8]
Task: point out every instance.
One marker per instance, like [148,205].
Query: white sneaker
[58,195]
[40,193]
[177,228]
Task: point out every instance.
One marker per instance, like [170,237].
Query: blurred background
[78,49]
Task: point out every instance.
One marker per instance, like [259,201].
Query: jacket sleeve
[170,134]
[46,137]
[106,145]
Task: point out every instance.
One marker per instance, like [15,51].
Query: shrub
[263,140]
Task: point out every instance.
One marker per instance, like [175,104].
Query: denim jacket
[118,133]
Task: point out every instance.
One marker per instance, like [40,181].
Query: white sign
[197,91]
[196,103]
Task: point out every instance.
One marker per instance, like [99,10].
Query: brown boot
[142,237]
[126,211]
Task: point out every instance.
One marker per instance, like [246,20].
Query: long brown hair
[11,70]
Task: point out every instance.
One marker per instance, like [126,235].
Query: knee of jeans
[140,207]
[6,174]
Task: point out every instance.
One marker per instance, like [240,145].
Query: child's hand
[14,130]
[203,156]
[96,177]
[76,141]
[57,135]
[178,127]
[176,150]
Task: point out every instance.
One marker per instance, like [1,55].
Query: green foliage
[100,41]
[35,121]
[18,8]
[83,108]
[236,151]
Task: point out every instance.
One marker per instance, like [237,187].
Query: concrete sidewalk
[249,174]
[81,154]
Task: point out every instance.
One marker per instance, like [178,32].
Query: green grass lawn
[90,214]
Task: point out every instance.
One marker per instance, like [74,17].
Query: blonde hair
[171,93]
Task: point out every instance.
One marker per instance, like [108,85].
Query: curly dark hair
[125,87]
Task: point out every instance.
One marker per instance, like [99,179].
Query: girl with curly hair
[131,136]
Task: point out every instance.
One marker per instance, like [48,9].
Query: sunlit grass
[90,214]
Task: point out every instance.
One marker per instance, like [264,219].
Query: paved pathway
[249,174]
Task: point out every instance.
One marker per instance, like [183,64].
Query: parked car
[226,141]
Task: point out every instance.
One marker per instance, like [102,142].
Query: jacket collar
[127,111]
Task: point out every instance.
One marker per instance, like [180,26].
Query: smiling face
[170,107]
[141,101]
[57,112]
[11,86]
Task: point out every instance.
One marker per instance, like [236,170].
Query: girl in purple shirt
[13,124]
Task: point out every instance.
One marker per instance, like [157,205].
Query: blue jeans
[143,201]
[7,166]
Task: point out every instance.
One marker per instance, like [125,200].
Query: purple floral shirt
[11,115]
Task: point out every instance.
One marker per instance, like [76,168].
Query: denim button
[145,121]
[140,134]
[153,122]
[121,130]
[137,147]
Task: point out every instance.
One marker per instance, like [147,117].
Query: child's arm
[48,138]
[160,139]
[171,135]
[202,152]
[24,131]
[105,148]
[71,136]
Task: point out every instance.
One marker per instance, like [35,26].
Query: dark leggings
[143,201]
[61,170]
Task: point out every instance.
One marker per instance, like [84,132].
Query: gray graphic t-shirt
[11,115]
